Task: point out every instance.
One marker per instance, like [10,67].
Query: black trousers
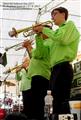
[27,99]
[39,87]
[60,84]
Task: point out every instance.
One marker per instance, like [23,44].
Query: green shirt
[65,42]
[25,81]
[40,61]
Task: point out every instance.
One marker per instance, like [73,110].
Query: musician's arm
[41,50]
[28,45]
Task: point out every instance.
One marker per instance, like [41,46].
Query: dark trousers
[60,84]
[27,99]
[39,87]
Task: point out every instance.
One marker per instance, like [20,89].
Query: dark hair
[61,10]
[15,116]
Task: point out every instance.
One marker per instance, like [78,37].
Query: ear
[63,14]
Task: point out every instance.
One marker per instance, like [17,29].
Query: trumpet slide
[14,32]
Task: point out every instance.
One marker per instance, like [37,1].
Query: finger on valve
[38,28]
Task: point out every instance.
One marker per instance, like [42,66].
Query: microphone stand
[5,88]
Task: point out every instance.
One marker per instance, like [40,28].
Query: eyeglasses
[54,14]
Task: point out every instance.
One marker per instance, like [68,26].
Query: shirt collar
[62,24]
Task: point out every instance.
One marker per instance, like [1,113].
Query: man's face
[57,17]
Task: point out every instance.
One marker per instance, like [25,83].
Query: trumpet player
[25,86]
[63,51]
[39,71]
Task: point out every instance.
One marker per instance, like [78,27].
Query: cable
[17,20]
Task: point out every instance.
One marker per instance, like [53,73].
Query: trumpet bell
[13,33]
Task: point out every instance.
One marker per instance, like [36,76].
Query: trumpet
[17,67]
[16,46]
[14,32]
[11,69]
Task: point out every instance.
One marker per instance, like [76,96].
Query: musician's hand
[25,62]
[38,29]
[18,69]
[26,43]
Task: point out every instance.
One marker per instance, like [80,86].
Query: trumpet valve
[13,33]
